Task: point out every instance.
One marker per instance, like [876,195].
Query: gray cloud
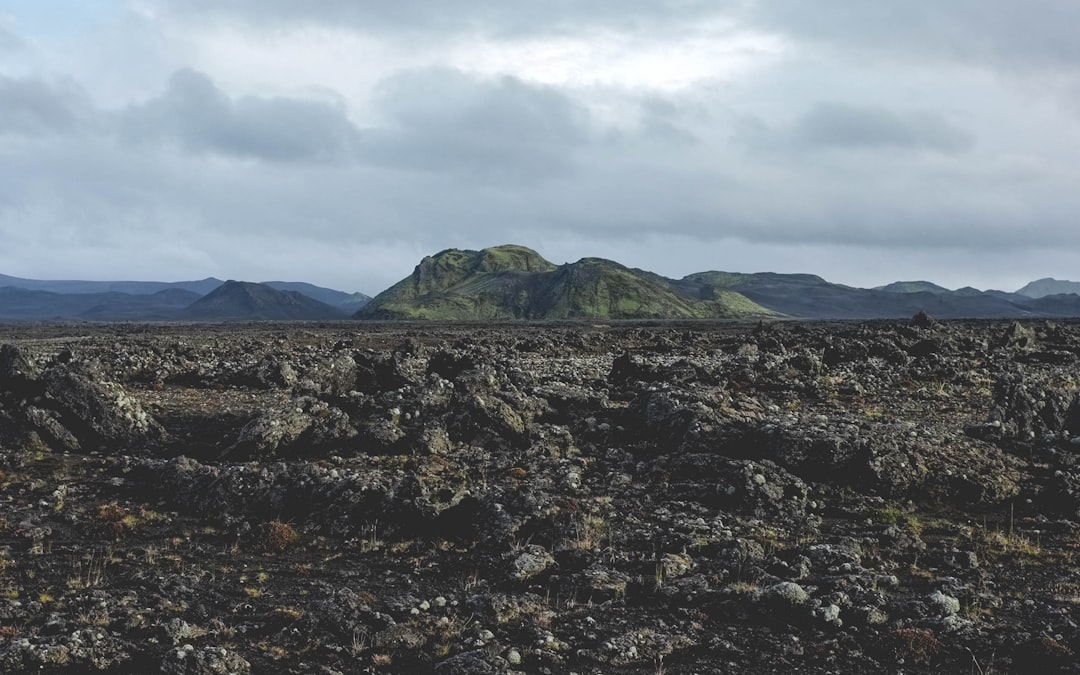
[197,115]
[32,107]
[661,121]
[838,125]
[1006,33]
[855,142]
[488,16]
[9,41]
[441,119]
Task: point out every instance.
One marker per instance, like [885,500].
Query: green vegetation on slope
[513,282]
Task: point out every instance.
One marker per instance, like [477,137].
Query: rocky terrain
[893,497]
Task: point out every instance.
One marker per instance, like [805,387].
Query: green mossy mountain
[514,282]
[912,287]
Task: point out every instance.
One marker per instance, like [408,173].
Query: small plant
[771,540]
[98,617]
[278,536]
[113,519]
[276,652]
[89,572]
[917,645]
[592,531]
[895,515]
[361,641]
[369,538]
[744,587]
[287,613]
[977,667]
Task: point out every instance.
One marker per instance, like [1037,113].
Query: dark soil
[638,498]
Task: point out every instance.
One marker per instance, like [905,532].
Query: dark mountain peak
[245,300]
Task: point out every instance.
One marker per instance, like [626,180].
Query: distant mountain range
[204,300]
[515,283]
[200,288]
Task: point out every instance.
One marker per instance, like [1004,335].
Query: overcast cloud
[338,142]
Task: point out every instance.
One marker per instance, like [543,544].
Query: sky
[338,142]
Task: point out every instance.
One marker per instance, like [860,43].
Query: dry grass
[277,536]
[917,645]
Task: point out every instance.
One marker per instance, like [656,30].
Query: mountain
[514,282]
[1045,287]
[912,287]
[160,306]
[349,302]
[811,297]
[201,287]
[245,301]
[20,304]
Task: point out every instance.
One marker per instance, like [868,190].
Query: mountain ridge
[1041,288]
[243,300]
[512,282]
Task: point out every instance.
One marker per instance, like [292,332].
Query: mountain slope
[160,306]
[912,287]
[245,301]
[811,297]
[349,302]
[513,282]
[1044,287]
[20,304]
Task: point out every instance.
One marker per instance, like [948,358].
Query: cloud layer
[338,141]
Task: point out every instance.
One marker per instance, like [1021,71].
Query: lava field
[881,497]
